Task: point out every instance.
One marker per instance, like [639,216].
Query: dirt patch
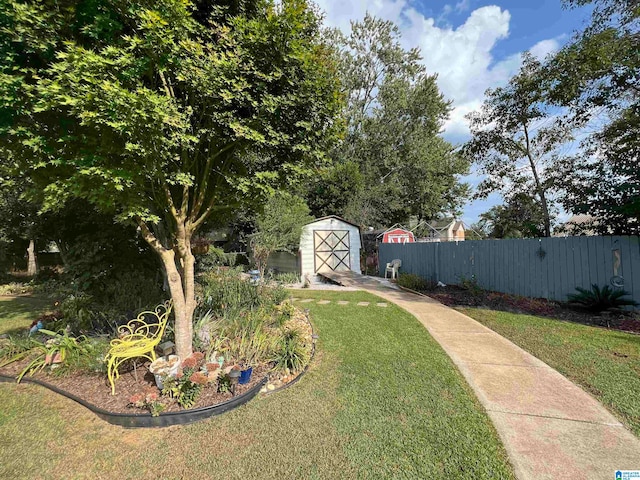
[454,296]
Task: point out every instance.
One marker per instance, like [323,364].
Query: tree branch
[202,190]
[149,237]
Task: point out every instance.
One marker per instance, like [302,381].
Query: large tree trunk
[178,264]
[32,258]
[184,301]
[539,187]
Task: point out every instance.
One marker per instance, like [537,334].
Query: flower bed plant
[244,326]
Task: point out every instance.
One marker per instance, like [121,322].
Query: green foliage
[392,163]
[224,383]
[520,217]
[415,282]
[187,385]
[183,390]
[43,349]
[284,278]
[248,341]
[161,113]
[207,261]
[226,293]
[291,352]
[600,299]
[243,322]
[278,227]
[510,147]
[471,285]
[273,295]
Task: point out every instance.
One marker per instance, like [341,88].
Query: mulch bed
[454,296]
[95,389]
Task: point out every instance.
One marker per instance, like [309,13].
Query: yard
[604,362]
[381,400]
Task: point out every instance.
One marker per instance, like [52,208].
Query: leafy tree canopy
[515,139]
[394,115]
[520,217]
[279,226]
[164,111]
[596,77]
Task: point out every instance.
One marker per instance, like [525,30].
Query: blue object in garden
[245,376]
[255,276]
[36,327]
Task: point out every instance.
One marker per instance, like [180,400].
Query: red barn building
[398,235]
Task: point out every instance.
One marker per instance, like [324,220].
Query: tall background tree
[515,138]
[278,227]
[521,216]
[392,163]
[596,78]
[160,112]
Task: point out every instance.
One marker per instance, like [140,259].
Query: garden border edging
[133,420]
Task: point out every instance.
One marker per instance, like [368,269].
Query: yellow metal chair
[137,339]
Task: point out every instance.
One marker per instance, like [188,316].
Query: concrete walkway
[551,428]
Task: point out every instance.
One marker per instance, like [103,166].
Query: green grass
[17,313]
[381,400]
[604,362]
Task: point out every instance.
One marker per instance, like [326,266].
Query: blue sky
[471,44]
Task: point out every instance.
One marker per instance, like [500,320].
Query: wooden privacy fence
[542,267]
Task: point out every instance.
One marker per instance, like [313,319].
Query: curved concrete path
[551,428]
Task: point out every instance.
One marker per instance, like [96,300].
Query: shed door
[331,250]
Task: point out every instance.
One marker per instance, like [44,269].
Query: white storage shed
[329,244]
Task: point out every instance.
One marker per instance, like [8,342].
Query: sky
[471,44]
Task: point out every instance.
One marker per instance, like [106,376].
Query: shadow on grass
[17,313]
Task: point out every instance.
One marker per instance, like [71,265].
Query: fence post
[436,261]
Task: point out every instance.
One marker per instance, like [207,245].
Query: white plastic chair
[393,267]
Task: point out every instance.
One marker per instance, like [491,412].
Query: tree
[595,79]
[278,227]
[21,226]
[161,112]
[520,217]
[394,115]
[515,138]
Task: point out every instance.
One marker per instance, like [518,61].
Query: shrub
[415,282]
[471,285]
[291,352]
[285,278]
[73,352]
[227,293]
[600,299]
[273,295]
[212,258]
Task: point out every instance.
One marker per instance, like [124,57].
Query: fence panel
[545,268]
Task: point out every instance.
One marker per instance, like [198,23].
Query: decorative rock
[263,390]
[271,387]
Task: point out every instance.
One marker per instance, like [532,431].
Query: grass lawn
[604,362]
[17,313]
[382,400]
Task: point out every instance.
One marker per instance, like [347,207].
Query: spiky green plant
[600,299]
[291,352]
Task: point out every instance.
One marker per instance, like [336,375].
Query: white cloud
[462,57]
[463,6]
[545,47]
